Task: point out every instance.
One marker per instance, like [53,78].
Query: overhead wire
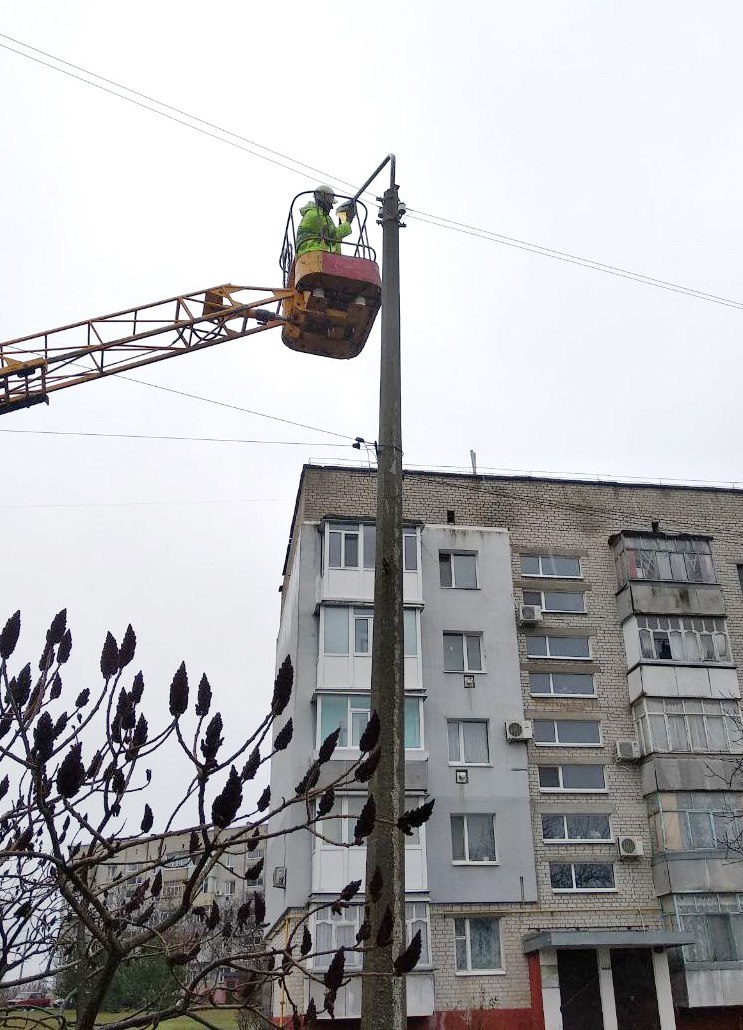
[298,167]
[237,407]
[176,114]
[160,436]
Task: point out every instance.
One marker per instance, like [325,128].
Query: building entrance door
[580,997]
[635,993]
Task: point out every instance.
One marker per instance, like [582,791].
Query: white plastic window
[468,741]
[477,945]
[567,732]
[473,838]
[463,652]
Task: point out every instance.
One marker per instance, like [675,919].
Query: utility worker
[317,230]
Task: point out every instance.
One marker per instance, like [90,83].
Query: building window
[343,546]
[670,724]
[557,601]
[575,827]
[463,652]
[468,742]
[740,575]
[335,930]
[344,627]
[714,920]
[410,550]
[473,838]
[672,639]
[229,888]
[562,684]
[567,732]
[660,558]
[477,945]
[351,713]
[571,777]
[696,820]
[458,571]
[337,829]
[354,546]
[582,876]
[550,566]
[558,647]
[416,918]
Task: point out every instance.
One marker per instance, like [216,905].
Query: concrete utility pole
[383,1001]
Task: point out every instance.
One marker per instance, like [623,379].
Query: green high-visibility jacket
[318,231]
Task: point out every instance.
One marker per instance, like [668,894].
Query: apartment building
[224,883]
[571,654]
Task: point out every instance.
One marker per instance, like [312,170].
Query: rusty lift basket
[335,297]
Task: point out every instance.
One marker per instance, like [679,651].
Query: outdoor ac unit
[529,614]
[630,847]
[218,894]
[519,730]
[279,876]
[628,751]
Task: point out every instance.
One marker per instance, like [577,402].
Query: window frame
[361,531]
[561,789]
[451,555]
[464,634]
[550,575]
[695,907]
[465,837]
[558,657]
[629,545]
[555,693]
[542,603]
[412,919]
[357,613]
[335,920]
[566,838]
[469,970]
[661,815]
[685,626]
[560,743]
[583,890]
[646,710]
[462,761]
[344,529]
[360,695]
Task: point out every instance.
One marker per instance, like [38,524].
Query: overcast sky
[610,131]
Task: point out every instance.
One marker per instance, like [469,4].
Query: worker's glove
[346,211]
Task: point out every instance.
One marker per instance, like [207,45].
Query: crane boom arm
[32,367]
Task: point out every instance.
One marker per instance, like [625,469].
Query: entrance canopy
[605,939]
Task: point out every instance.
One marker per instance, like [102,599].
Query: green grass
[225,1019]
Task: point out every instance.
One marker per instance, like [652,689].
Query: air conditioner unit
[630,847]
[279,876]
[519,730]
[529,614]
[218,894]
[628,751]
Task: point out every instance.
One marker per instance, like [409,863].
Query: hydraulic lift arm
[32,367]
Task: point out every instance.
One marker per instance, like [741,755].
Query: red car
[32,1000]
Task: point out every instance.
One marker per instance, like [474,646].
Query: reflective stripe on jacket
[318,231]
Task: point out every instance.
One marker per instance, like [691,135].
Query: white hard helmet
[326,193]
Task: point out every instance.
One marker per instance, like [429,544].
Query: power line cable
[282,160]
[237,407]
[301,168]
[573,259]
[190,439]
